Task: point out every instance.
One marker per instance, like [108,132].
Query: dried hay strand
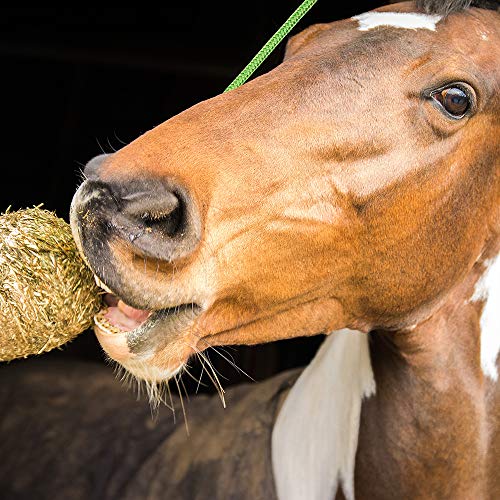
[47,294]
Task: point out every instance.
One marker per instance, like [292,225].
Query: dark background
[76,82]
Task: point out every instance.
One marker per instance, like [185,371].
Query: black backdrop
[75,82]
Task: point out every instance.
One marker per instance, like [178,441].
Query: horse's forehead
[462,30]
[470,37]
[475,35]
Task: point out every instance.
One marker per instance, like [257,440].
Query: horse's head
[351,187]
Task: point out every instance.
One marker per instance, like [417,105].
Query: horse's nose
[92,168]
[157,217]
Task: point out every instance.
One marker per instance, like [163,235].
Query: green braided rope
[271,44]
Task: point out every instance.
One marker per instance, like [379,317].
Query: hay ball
[47,294]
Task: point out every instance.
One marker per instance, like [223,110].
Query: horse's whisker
[213,377]
[231,362]
[182,405]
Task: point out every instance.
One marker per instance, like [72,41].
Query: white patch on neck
[406,20]
[488,289]
[315,437]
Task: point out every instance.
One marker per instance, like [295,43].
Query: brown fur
[430,432]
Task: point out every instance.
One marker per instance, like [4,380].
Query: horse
[353,191]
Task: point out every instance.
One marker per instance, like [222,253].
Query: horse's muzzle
[157,218]
[131,233]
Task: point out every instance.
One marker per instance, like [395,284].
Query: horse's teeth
[101,321]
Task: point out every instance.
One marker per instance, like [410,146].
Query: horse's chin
[134,338]
[115,346]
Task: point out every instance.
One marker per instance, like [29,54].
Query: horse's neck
[431,429]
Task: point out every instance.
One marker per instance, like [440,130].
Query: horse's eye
[454,100]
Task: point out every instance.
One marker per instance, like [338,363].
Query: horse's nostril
[158,216]
[143,205]
[163,212]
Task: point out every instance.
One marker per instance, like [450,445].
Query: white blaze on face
[488,290]
[315,437]
[405,20]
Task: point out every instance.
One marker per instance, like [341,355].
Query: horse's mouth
[142,329]
[118,317]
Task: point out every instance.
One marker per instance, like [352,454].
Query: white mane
[315,437]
